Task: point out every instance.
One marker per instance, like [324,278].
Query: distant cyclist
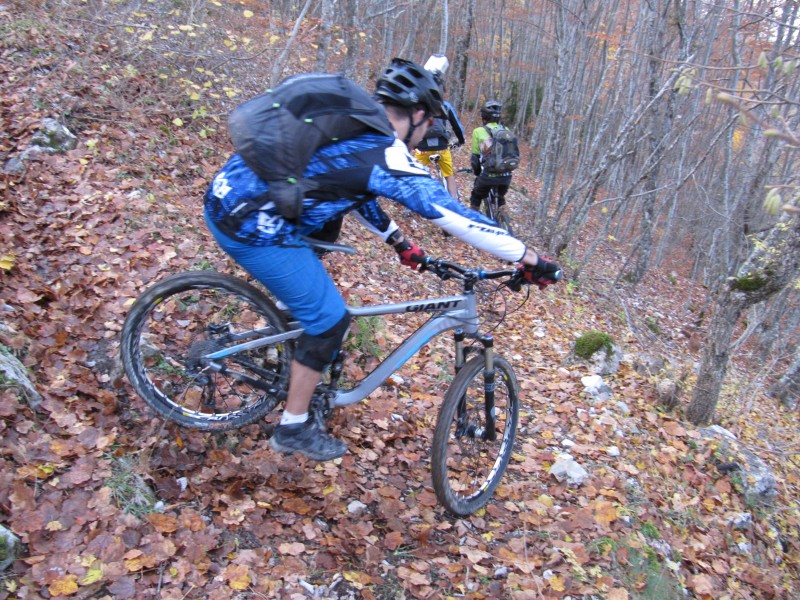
[484,181]
[356,172]
[437,140]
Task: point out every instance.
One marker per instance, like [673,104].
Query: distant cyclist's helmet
[407,84]
[491,110]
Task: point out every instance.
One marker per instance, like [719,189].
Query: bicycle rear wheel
[502,220]
[177,322]
[497,213]
[466,469]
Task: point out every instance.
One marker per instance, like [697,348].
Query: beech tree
[773,264]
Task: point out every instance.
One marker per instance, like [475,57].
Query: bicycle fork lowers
[463,426]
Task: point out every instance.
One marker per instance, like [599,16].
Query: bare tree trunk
[461,59]
[660,128]
[279,63]
[445,23]
[327,34]
[772,264]
[787,388]
[782,316]
[351,39]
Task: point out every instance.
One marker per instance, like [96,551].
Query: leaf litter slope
[90,229]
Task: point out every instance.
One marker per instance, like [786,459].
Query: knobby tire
[504,222]
[498,214]
[466,470]
[175,323]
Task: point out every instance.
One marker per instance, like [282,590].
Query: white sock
[289,419]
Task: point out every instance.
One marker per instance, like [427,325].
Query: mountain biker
[275,252]
[437,140]
[484,182]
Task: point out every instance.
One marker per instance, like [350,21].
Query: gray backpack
[277,133]
[502,155]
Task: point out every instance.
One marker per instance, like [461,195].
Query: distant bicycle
[498,213]
[495,212]
[436,173]
[436,170]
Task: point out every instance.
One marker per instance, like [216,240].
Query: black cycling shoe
[309,439]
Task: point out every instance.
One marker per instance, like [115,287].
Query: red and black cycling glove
[544,273]
[410,254]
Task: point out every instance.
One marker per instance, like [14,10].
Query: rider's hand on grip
[411,255]
[545,273]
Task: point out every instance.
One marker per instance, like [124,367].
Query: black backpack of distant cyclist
[437,137]
[502,154]
[276,133]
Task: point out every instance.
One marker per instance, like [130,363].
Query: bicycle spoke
[467,465]
[168,336]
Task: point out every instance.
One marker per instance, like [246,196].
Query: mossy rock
[750,283]
[590,342]
[9,548]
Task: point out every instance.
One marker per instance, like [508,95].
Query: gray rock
[9,547]
[756,482]
[356,507]
[597,388]
[566,469]
[648,364]
[15,372]
[605,362]
[741,521]
[53,137]
[623,408]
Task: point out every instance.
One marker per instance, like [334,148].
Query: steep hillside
[111,502]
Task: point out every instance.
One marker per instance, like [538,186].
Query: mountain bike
[436,170]
[497,213]
[436,173]
[210,351]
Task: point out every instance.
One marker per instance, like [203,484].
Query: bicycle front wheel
[467,464]
[172,328]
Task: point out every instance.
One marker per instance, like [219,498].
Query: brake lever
[514,283]
[435,267]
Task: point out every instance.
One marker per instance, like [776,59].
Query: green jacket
[479,134]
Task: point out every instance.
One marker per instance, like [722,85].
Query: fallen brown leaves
[91,228]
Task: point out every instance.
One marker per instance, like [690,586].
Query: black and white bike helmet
[491,109]
[407,84]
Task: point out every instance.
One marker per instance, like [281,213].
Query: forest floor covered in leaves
[111,502]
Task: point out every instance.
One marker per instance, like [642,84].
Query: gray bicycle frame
[451,312]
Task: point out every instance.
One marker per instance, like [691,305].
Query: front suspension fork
[489,373]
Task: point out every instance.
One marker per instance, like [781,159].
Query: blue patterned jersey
[353,173]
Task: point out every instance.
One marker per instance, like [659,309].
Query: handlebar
[448,270]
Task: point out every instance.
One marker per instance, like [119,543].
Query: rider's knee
[317,351]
